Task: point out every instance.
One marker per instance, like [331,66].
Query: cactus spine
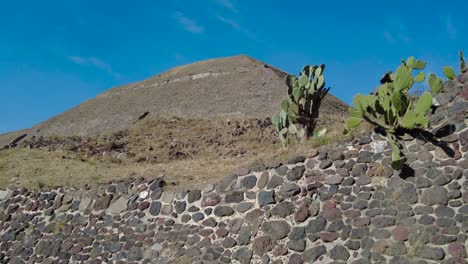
[299,111]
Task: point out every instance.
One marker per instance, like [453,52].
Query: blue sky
[56,54]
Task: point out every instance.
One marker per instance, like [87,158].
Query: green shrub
[299,112]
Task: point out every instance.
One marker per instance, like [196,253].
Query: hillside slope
[236,86]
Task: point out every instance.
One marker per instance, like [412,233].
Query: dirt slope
[236,86]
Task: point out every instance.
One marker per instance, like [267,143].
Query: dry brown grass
[36,168]
[204,141]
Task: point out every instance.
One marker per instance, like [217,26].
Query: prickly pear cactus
[450,73]
[299,111]
[393,109]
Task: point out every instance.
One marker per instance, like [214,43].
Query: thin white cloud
[389,37]
[397,32]
[227,4]
[189,25]
[232,23]
[450,28]
[78,60]
[94,62]
[404,38]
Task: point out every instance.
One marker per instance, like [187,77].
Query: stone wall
[342,206]
[346,206]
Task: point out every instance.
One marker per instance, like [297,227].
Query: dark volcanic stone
[297,233]
[262,181]
[464,209]
[253,215]
[297,245]
[316,225]
[277,229]
[115,247]
[281,170]
[274,182]
[336,155]
[311,255]
[143,205]
[445,222]
[435,195]
[353,244]
[395,249]
[457,249]
[340,164]
[243,255]
[296,159]
[296,173]
[401,233]
[289,189]
[180,206]
[339,253]
[325,164]
[422,182]
[406,193]
[283,209]
[424,209]
[302,213]
[295,259]
[223,210]
[262,245]
[382,222]
[193,209]
[244,207]
[367,243]
[198,217]
[364,157]
[359,233]
[265,198]
[328,236]
[185,218]
[244,235]
[444,211]
[249,182]
[359,169]
[363,180]
[193,196]
[234,197]
[431,253]
[441,180]
[381,233]
[104,202]
[332,214]
[333,179]
[426,219]
[135,254]
[155,208]
[335,226]
[229,242]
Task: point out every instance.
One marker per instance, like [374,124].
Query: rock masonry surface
[344,206]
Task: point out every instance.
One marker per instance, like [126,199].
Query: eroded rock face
[295,213]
